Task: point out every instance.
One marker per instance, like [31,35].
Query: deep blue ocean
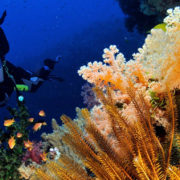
[78,30]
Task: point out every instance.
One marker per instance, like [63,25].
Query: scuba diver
[16,78]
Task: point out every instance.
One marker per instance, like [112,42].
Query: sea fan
[141,154]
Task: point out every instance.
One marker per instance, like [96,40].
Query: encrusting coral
[133,133]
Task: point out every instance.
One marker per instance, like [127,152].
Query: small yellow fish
[19,135]
[43,156]
[42,113]
[11,142]
[28,145]
[9,122]
[31,119]
[38,125]
[160,26]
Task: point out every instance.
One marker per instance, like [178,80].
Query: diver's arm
[3,17]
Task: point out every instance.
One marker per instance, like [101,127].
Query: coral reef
[133,133]
[151,71]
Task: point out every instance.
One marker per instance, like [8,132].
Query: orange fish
[43,156]
[31,119]
[38,125]
[28,145]
[9,122]
[11,142]
[19,135]
[42,113]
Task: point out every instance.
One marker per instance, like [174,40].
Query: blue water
[79,30]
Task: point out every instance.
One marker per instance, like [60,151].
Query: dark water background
[79,30]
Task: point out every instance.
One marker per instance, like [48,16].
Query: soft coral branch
[109,74]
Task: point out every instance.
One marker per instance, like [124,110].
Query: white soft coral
[160,54]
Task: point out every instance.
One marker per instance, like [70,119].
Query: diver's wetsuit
[11,75]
